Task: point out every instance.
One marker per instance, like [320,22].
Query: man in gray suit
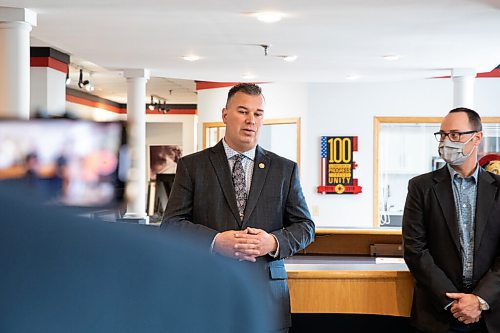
[451,230]
[244,202]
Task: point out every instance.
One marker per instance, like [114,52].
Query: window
[405,147]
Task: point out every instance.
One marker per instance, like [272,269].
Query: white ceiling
[332,39]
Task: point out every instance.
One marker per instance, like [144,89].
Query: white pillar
[48,81]
[136,118]
[463,87]
[189,133]
[15,27]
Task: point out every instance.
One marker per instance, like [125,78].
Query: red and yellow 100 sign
[340,150]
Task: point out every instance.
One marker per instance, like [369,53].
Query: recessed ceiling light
[191,57]
[291,58]
[269,17]
[391,57]
[249,76]
[353,77]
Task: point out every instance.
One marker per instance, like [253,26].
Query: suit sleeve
[298,227]
[416,252]
[488,288]
[178,215]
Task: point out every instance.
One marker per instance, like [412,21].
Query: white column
[48,91]
[136,119]
[189,133]
[463,87]
[15,27]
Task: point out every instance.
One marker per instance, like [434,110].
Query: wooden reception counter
[348,285]
[356,283]
[351,241]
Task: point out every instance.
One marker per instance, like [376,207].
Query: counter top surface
[358,231]
[344,263]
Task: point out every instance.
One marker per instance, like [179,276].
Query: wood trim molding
[276,121]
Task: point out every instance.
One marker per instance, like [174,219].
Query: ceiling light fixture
[249,76]
[265,47]
[287,58]
[353,77]
[81,83]
[160,104]
[68,79]
[291,58]
[151,106]
[391,57]
[191,57]
[269,17]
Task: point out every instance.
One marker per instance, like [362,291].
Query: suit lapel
[444,195]
[219,162]
[486,191]
[261,166]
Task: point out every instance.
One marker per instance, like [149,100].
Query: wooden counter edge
[330,274]
[333,231]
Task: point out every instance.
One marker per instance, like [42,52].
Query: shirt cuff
[213,243]
[275,253]
[482,301]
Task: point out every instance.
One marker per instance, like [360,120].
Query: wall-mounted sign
[337,165]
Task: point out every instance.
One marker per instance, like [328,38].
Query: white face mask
[453,152]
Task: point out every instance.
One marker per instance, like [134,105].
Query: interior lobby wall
[333,109]
[348,109]
[338,109]
[283,100]
[91,113]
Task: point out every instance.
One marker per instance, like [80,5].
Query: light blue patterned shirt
[465,194]
[247,162]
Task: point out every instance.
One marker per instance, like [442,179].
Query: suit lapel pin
[262,165]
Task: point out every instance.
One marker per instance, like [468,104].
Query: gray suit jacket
[203,203]
[432,248]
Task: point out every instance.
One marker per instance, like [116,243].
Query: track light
[84,84]
[161,105]
[151,105]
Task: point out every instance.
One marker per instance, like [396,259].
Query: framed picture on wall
[162,167]
[163,159]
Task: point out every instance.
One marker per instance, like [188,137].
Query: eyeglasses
[453,136]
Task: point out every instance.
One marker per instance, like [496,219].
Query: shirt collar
[453,173]
[230,152]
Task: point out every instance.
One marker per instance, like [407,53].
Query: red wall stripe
[86,102]
[201,85]
[92,104]
[49,62]
[174,111]
[494,73]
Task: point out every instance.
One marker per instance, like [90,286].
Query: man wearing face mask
[451,233]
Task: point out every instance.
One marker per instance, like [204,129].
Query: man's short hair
[474,118]
[247,88]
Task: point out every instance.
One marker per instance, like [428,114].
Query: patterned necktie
[239,184]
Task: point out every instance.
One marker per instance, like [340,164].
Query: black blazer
[432,248]
[203,203]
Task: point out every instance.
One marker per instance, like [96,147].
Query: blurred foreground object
[62,273]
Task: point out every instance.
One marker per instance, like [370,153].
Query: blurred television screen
[68,162]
